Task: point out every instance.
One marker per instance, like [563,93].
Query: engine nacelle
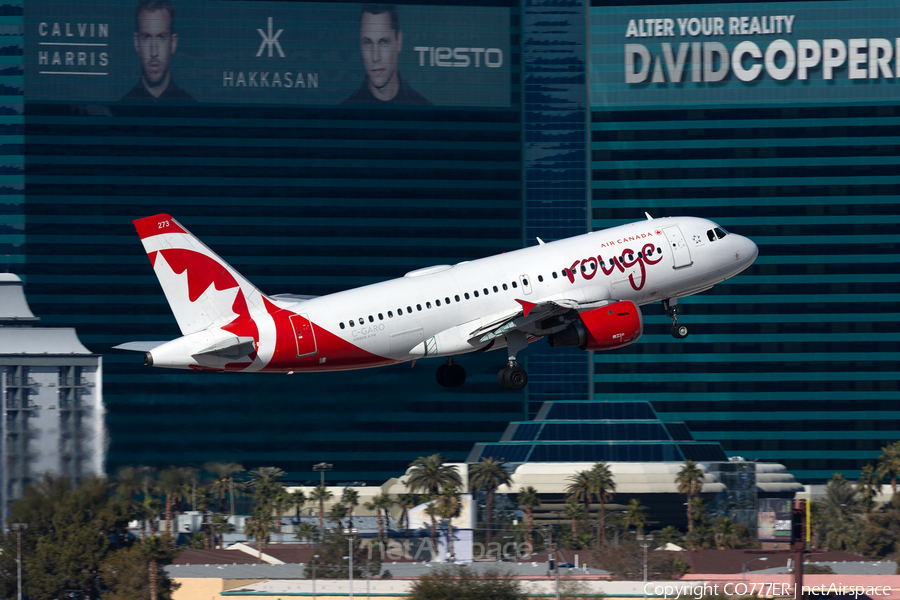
[606,328]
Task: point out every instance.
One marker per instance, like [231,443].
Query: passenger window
[428,305]
[515,285]
[437,302]
[554,274]
[640,255]
[342,325]
[371,319]
[631,257]
[456,297]
[650,252]
[409,309]
[504,287]
[351,323]
[711,235]
[583,269]
[399,311]
[419,307]
[495,289]
[540,278]
[486,292]
[476,293]
[362,320]
[525,282]
[447,300]
[466,295]
[380,317]
[658,250]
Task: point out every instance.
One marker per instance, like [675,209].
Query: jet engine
[606,328]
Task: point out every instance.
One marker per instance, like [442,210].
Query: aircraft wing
[530,313]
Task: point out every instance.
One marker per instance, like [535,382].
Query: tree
[203,498]
[489,474]
[336,513]
[668,535]
[298,500]
[457,582]
[308,532]
[380,504]
[258,527]
[689,482]
[220,526]
[333,549]
[581,489]
[429,474]
[636,516]
[840,514]
[449,506]
[604,487]
[889,463]
[723,532]
[158,551]
[126,576]
[350,498]
[225,484]
[868,485]
[320,494]
[574,512]
[529,500]
[406,502]
[281,503]
[173,482]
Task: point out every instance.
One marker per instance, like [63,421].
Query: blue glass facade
[793,361]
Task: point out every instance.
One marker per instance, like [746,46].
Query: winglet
[649,218]
[526,305]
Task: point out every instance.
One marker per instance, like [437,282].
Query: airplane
[583,291]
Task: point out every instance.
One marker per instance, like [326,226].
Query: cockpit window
[720,233]
[711,235]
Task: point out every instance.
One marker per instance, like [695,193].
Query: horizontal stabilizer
[139,346]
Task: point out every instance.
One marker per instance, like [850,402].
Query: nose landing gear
[671,307]
[451,374]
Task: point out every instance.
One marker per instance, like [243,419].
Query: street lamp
[744,567]
[645,541]
[315,563]
[599,523]
[321,468]
[350,533]
[19,528]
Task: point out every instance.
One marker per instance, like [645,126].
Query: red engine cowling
[606,328]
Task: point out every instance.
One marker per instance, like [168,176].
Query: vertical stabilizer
[202,289]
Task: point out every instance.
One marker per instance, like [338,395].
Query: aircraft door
[303,335]
[525,282]
[678,247]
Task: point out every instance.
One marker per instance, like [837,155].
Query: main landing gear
[513,377]
[451,374]
[678,331]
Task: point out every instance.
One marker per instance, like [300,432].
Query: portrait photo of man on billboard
[155,42]
[380,41]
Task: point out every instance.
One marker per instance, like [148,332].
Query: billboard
[745,54]
[774,520]
[266,53]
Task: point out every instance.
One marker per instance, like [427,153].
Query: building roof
[13,306]
[721,562]
[40,340]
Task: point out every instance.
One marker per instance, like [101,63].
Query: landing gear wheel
[512,378]
[450,374]
[454,376]
[679,331]
[441,375]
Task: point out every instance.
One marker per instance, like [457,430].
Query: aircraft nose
[752,250]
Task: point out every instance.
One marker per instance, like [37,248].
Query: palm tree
[281,503]
[406,502]
[203,499]
[220,525]
[868,485]
[129,483]
[429,474]
[320,494]
[489,474]
[257,527]
[380,503]
[839,512]
[529,500]
[157,549]
[604,489]
[350,497]
[151,507]
[298,500]
[173,482]
[432,511]
[689,481]
[336,513]
[581,489]
[224,484]
[574,512]
[636,516]
[449,506]
[889,463]
[306,531]
[723,531]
